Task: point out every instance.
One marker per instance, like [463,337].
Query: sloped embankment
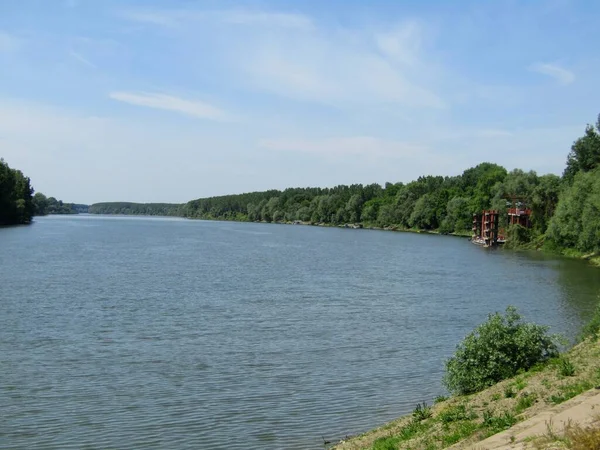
[526,411]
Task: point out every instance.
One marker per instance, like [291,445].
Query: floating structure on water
[489,229]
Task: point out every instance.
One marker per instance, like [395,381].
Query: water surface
[132,332]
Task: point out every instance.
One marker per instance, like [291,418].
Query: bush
[496,350]
[566,367]
[422,412]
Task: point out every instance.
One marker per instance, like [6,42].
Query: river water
[134,332]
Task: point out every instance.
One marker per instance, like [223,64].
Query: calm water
[167,333]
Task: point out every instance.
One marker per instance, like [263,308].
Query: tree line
[49,205]
[565,210]
[128,208]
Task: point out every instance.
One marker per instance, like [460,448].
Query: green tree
[543,201]
[585,153]
[16,196]
[354,208]
[576,223]
[458,216]
[424,213]
[40,204]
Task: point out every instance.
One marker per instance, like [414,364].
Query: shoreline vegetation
[535,393]
[565,210]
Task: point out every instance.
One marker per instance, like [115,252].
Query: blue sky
[174,100]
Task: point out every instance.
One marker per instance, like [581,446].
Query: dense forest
[565,210]
[16,202]
[146,209]
[49,205]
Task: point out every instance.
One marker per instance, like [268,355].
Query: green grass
[494,424]
[566,367]
[422,412]
[520,384]
[525,400]
[458,432]
[569,391]
[456,413]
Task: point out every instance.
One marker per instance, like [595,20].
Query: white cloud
[560,74]
[167,102]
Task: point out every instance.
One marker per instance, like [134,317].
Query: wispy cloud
[167,102]
[170,18]
[560,74]
[81,59]
[345,146]
[338,67]
[402,44]
[283,20]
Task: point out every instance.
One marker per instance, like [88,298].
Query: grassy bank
[464,420]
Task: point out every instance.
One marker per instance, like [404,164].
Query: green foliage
[496,350]
[576,223]
[440,399]
[422,412]
[565,367]
[585,153]
[458,432]
[517,236]
[569,391]
[520,384]
[501,422]
[406,433]
[16,196]
[456,413]
[146,209]
[509,392]
[525,400]
[592,328]
[44,206]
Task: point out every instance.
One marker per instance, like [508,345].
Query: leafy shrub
[496,350]
[422,412]
[566,367]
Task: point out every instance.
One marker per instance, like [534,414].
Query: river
[137,332]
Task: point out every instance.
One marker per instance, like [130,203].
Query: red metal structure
[486,226]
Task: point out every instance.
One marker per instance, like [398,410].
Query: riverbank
[462,422]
